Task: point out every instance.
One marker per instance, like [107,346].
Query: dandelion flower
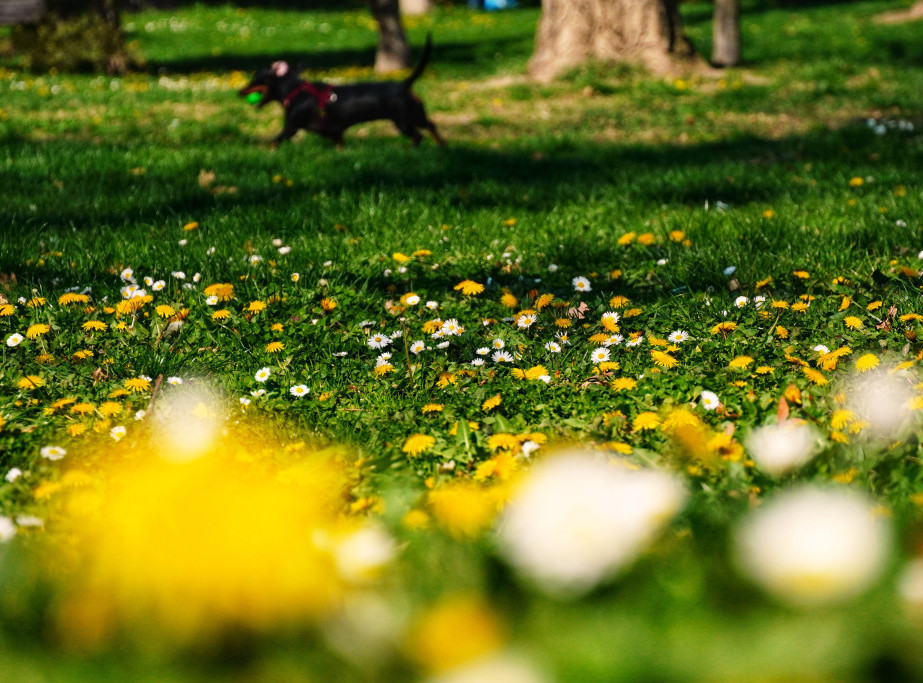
[262,374]
[274,347]
[491,403]
[741,362]
[137,384]
[37,330]
[664,359]
[624,384]
[469,287]
[853,323]
[417,444]
[867,362]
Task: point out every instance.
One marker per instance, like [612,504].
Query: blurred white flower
[361,555]
[576,520]
[812,545]
[883,400]
[780,448]
[497,668]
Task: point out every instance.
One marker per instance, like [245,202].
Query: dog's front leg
[287,132]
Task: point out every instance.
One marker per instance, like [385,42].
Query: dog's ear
[280,68]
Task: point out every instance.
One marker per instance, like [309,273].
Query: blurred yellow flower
[457,630]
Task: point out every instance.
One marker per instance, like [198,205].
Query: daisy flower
[526,321]
[678,336]
[581,284]
[284,250]
[483,351]
[159,285]
[452,327]
[502,357]
[821,349]
[417,347]
[477,361]
[298,390]
[127,275]
[211,301]
[498,343]
[254,259]
[262,374]
[554,347]
[178,274]
[378,340]
[634,341]
[117,432]
[14,474]
[443,345]
[411,300]
[741,301]
[553,267]
[600,355]
[53,452]
[256,393]
[295,277]
[709,400]
[14,339]
[432,305]
[244,401]
[759,300]
[614,340]
[174,380]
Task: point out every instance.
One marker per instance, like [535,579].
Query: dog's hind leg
[421,120]
[286,134]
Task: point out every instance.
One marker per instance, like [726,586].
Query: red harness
[323,97]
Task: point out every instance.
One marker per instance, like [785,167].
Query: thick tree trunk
[393,53]
[647,32]
[411,8]
[726,33]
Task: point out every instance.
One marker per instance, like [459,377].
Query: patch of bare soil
[914,13]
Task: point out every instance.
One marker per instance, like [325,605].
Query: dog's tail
[424,59]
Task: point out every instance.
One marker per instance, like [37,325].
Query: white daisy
[14,474]
[14,339]
[295,277]
[451,327]
[211,301]
[477,361]
[117,432]
[284,250]
[741,301]
[552,267]
[634,341]
[614,340]
[174,380]
[554,347]
[600,355]
[378,340]
[611,315]
[298,390]
[483,351]
[183,242]
[127,275]
[244,401]
[254,259]
[197,277]
[179,275]
[678,336]
[498,343]
[432,305]
[759,300]
[256,393]
[417,347]
[159,285]
[526,321]
[53,452]
[148,281]
[501,357]
[7,529]
[443,345]
[341,354]
[412,300]
[262,374]
[139,415]
[709,400]
[820,348]
[276,242]
[581,284]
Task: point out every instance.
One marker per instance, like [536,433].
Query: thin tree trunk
[393,53]
[647,32]
[726,33]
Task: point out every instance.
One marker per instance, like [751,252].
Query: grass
[650,188]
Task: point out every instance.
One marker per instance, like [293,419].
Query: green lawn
[800,172]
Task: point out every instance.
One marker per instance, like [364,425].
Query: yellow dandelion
[647,239]
[223,290]
[740,362]
[445,379]
[800,306]
[608,366]
[768,213]
[664,359]
[433,408]
[619,301]
[610,324]
[165,310]
[508,442]
[256,306]
[94,325]
[418,443]
[853,323]
[645,421]
[509,300]
[632,312]
[6,310]
[565,323]
[841,418]
[109,408]
[36,302]
[491,403]
[469,287]
[624,383]
[83,408]
[421,252]
[76,428]
[61,402]
[781,332]
[801,274]
[536,372]
[856,182]
[783,305]
[764,370]
[431,326]
[762,283]
[866,362]
[543,300]
[189,227]
[69,298]
[724,328]
[37,330]
[626,239]
[815,376]
[845,303]
[274,347]
[137,384]
[383,369]
[83,354]
[221,314]
[464,510]
[328,304]
[400,257]
[30,382]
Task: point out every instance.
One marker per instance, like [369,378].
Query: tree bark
[726,33]
[393,53]
[646,32]
[411,8]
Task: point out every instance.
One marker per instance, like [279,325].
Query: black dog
[329,110]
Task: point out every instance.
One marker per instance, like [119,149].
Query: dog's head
[271,83]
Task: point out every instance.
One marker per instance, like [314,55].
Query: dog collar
[323,97]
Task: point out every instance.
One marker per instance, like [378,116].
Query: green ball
[254,98]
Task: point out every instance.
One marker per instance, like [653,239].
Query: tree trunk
[647,32]
[726,33]
[411,8]
[393,53]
